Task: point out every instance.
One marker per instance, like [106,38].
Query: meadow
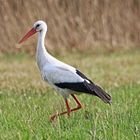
[71,24]
[26,102]
[100,38]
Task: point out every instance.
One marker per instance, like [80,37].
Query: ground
[26,102]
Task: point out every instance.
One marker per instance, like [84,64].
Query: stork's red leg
[68,108]
[66,112]
[79,105]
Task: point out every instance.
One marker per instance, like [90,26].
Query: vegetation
[108,31]
[26,102]
[72,24]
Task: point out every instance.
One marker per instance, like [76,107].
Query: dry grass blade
[72,24]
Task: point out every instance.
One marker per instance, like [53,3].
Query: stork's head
[39,26]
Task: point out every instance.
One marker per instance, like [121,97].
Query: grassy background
[26,102]
[101,38]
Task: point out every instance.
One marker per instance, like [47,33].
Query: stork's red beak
[27,35]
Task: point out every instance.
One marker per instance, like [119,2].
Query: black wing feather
[86,87]
[83,76]
[78,87]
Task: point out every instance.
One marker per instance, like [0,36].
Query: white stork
[64,78]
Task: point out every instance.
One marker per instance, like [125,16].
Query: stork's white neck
[42,56]
[41,52]
[41,41]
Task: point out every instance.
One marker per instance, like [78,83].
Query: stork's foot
[56,115]
[53,118]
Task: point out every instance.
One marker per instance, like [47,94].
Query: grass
[71,23]
[26,102]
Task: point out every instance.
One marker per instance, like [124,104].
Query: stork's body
[64,78]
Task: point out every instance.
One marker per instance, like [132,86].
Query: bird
[64,78]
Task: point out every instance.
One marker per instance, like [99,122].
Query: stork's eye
[37,25]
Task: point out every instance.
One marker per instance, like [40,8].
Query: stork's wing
[70,78]
[83,76]
[57,74]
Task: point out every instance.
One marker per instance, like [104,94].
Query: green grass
[26,102]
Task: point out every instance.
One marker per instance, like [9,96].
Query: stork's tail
[102,94]
[98,91]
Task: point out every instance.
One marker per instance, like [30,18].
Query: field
[100,38]
[72,24]
[26,102]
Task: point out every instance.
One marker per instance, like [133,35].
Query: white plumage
[66,79]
